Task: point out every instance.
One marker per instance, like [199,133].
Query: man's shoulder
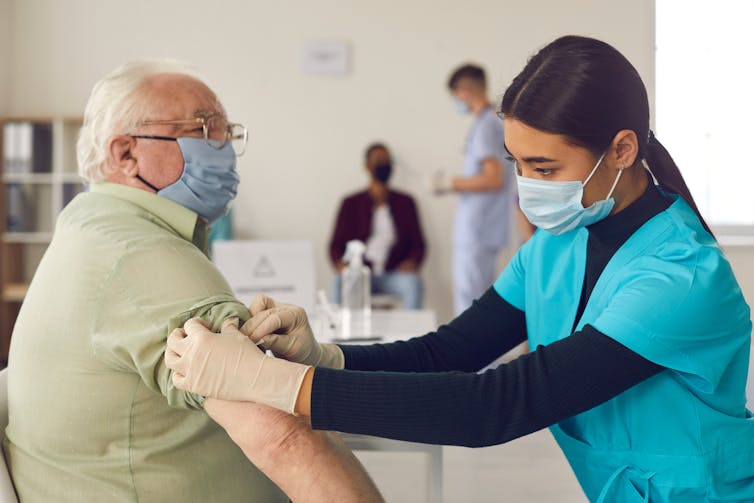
[113,220]
[355,198]
[131,240]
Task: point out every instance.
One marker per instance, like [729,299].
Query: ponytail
[587,91]
[669,176]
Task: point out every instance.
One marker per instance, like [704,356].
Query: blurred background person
[387,221]
[485,215]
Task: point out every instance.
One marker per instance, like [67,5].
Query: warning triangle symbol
[263,269]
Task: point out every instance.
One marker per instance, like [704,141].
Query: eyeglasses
[216,130]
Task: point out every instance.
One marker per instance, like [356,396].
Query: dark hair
[372,147]
[586,90]
[468,71]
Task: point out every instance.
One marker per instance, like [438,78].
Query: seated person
[388,222]
[93,413]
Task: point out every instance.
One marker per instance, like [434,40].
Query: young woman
[639,333]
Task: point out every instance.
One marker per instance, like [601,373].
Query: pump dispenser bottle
[356,310]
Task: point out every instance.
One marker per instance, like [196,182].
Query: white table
[395,325]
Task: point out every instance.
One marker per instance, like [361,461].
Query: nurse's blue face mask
[556,206]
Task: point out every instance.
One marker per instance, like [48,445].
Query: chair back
[7,491]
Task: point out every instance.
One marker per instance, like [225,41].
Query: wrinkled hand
[284,329]
[228,365]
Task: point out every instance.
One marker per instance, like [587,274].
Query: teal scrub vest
[668,294]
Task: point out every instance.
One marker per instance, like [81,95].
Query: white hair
[113,108]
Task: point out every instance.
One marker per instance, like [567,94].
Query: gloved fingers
[177,342]
[196,327]
[171,359]
[180,381]
[268,342]
[175,361]
[269,321]
[261,303]
[252,323]
[279,320]
[229,325]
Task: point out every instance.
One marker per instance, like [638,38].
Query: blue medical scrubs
[484,219]
[668,294]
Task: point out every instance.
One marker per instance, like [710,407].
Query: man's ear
[121,155]
[626,148]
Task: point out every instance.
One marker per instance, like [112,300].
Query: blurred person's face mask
[461,106]
[382,172]
[209,181]
[557,206]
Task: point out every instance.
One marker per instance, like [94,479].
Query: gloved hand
[440,183]
[284,330]
[229,366]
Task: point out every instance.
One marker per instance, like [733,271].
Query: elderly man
[93,412]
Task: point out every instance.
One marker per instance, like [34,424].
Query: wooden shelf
[46,193]
[27,237]
[67,177]
[28,177]
[15,292]
[70,178]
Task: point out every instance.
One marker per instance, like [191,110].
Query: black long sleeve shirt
[427,389]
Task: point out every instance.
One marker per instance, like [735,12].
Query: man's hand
[407,266]
[230,366]
[311,466]
[284,329]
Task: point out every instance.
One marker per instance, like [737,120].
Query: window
[705,104]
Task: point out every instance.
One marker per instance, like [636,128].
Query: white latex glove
[284,329]
[440,183]
[229,366]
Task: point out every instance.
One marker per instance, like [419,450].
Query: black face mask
[382,172]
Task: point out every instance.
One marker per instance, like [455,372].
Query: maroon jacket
[355,222]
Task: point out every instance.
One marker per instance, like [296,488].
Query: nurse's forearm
[532,392]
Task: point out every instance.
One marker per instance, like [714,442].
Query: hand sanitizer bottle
[356,293]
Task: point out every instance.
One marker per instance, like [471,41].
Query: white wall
[307,133]
[740,258]
[5,55]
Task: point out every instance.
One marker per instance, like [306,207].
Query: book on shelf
[27,147]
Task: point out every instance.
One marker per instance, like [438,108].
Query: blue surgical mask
[556,206]
[209,181]
[460,106]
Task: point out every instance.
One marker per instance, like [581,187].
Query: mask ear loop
[646,166]
[615,183]
[594,169]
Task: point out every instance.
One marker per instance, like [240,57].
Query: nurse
[485,215]
[639,332]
